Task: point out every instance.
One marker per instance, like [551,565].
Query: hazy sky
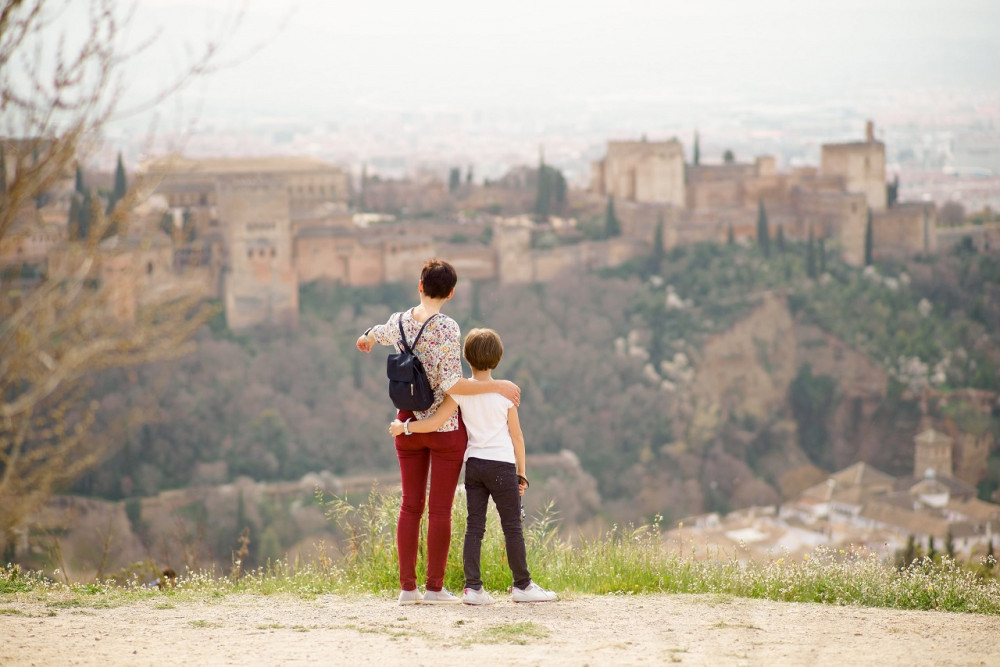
[329,59]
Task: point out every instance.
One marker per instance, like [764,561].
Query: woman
[440,452]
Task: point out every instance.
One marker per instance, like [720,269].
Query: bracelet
[368,330]
[522,478]
[406,427]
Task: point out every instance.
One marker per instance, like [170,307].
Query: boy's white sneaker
[532,593]
[440,597]
[476,596]
[410,597]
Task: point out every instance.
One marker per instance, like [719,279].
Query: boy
[494,466]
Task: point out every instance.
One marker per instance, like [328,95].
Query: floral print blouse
[439,350]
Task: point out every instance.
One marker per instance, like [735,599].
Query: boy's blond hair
[483,349]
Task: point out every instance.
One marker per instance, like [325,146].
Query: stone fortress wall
[263,226]
[650,184]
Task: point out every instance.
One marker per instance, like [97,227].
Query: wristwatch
[406,427]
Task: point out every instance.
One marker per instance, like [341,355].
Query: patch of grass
[72,603]
[383,629]
[204,624]
[164,605]
[625,560]
[10,611]
[509,633]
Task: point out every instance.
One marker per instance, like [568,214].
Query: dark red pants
[441,454]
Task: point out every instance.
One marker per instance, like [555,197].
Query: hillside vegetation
[713,378]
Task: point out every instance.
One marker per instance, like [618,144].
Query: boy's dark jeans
[498,479]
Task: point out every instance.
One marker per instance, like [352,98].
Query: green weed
[509,633]
[625,560]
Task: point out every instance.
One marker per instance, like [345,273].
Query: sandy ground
[582,630]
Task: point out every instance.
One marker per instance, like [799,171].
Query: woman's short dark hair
[483,349]
[439,278]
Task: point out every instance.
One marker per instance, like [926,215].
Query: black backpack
[409,387]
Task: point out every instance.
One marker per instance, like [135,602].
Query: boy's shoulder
[491,398]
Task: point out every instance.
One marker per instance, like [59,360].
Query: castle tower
[261,284]
[643,171]
[932,453]
[860,164]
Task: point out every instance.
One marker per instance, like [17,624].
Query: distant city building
[861,506]
[976,153]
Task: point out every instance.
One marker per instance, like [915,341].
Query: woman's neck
[427,308]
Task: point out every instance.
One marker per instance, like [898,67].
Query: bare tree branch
[56,97]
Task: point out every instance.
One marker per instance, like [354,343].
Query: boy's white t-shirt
[485,417]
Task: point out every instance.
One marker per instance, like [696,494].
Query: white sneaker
[410,597]
[440,597]
[476,596]
[532,593]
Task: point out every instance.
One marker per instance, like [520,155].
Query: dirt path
[594,630]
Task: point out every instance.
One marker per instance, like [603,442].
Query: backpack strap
[402,334]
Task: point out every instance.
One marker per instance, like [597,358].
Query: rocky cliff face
[739,440]
[739,435]
[744,372]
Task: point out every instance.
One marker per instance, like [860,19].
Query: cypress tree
[611,225]
[931,551]
[188,230]
[121,184]
[811,255]
[656,256]
[763,236]
[43,196]
[730,237]
[558,188]
[73,223]
[364,184]
[543,190]
[780,239]
[79,181]
[167,225]
[86,215]
[949,544]
[454,179]
[822,256]
[697,149]
[468,176]
[869,239]
[892,192]
[910,554]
